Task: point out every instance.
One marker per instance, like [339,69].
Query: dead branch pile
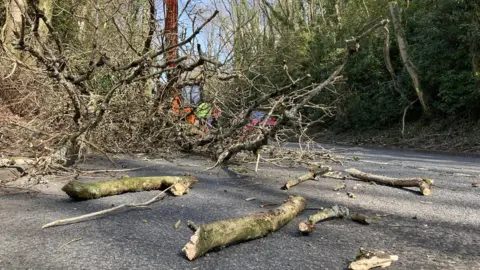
[116,99]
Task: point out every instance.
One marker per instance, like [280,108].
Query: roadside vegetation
[234,80]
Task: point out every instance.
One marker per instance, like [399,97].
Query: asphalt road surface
[441,231]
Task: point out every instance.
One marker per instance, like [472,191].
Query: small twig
[117,170]
[268,204]
[71,241]
[11,72]
[192,226]
[159,196]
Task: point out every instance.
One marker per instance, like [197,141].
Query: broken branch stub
[366,260]
[86,191]
[225,232]
[313,172]
[335,211]
[424,184]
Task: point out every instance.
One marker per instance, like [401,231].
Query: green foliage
[443,41]
[440,44]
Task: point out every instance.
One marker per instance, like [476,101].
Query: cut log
[225,232]
[86,191]
[313,172]
[424,184]
[366,260]
[335,211]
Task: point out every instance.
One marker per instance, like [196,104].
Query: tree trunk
[402,46]
[14,25]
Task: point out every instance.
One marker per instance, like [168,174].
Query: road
[441,231]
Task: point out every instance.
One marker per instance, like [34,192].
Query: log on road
[225,232]
[335,211]
[313,172]
[94,190]
[424,184]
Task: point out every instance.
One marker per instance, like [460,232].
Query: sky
[201,10]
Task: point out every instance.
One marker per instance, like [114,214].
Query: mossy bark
[336,211]
[314,171]
[225,232]
[424,184]
[95,190]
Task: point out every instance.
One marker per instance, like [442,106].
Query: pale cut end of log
[305,227]
[426,187]
[190,248]
[183,187]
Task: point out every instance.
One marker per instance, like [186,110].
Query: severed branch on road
[335,211]
[366,259]
[313,172]
[59,222]
[225,232]
[424,184]
[178,185]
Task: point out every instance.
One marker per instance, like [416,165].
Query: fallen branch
[71,241]
[335,211]
[116,170]
[371,259]
[313,172]
[424,184]
[360,218]
[225,232]
[17,162]
[158,197]
[86,191]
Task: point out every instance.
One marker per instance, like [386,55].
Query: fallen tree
[313,172]
[225,232]
[86,191]
[424,184]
